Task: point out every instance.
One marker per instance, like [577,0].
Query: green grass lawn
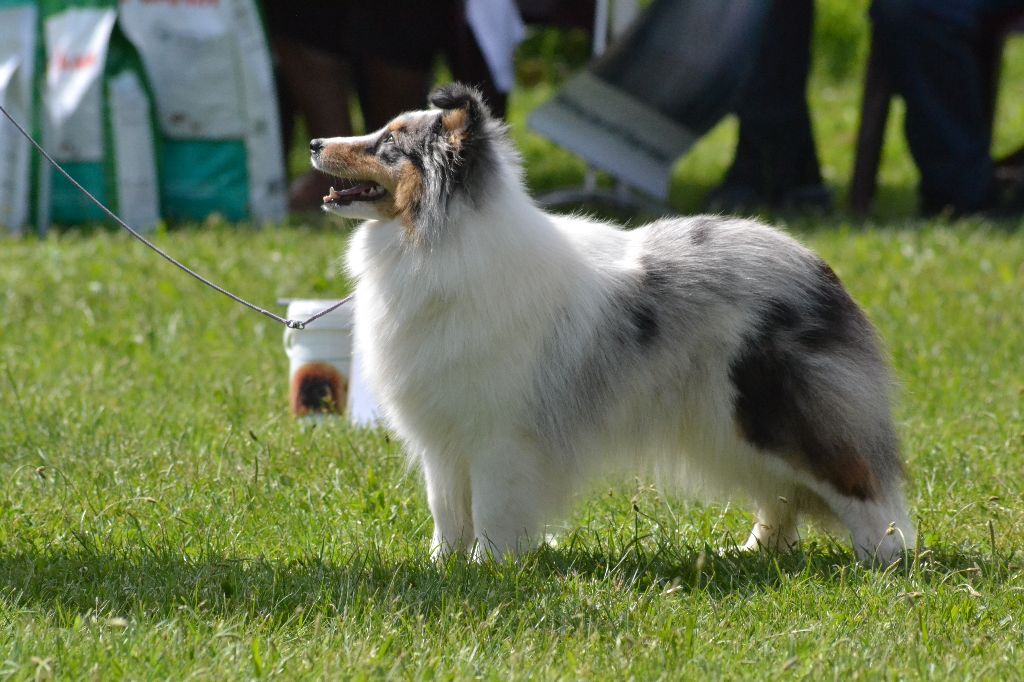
[162,517]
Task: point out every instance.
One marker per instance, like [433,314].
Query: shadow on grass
[161,583]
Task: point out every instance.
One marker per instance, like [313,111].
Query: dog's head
[416,166]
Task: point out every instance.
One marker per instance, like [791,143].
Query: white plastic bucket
[319,358]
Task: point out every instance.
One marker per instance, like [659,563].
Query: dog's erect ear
[464,110]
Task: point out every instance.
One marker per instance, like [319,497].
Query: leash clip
[295,324]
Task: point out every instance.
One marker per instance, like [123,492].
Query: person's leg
[386,89]
[395,46]
[929,45]
[317,87]
[313,79]
[775,160]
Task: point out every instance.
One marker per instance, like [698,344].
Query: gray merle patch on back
[700,230]
[631,326]
[645,322]
[643,302]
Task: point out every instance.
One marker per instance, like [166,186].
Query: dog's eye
[390,139]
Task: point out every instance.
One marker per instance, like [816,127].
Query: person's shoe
[1009,201]
[1004,201]
[733,199]
[814,199]
[740,199]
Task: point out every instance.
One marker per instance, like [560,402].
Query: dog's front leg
[513,489]
[447,481]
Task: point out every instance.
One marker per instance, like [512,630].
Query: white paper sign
[189,53]
[76,51]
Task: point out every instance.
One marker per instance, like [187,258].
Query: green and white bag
[17,69]
[216,104]
[96,119]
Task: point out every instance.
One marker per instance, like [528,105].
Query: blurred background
[162,515]
[189,111]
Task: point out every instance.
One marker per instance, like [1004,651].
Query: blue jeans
[775,152]
[929,46]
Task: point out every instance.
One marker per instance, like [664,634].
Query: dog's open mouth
[354,190]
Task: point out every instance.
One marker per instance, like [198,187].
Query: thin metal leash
[291,324]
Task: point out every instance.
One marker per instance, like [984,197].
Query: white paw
[767,538]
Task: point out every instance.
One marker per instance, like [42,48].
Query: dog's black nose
[316,146]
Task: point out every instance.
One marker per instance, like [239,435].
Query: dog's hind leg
[448,494]
[775,525]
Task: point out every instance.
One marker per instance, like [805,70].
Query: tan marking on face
[356,162]
[408,194]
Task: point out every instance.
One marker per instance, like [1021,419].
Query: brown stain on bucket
[318,387]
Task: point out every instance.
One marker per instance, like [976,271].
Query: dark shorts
[399,32]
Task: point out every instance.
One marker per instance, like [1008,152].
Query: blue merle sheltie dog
[519,354]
